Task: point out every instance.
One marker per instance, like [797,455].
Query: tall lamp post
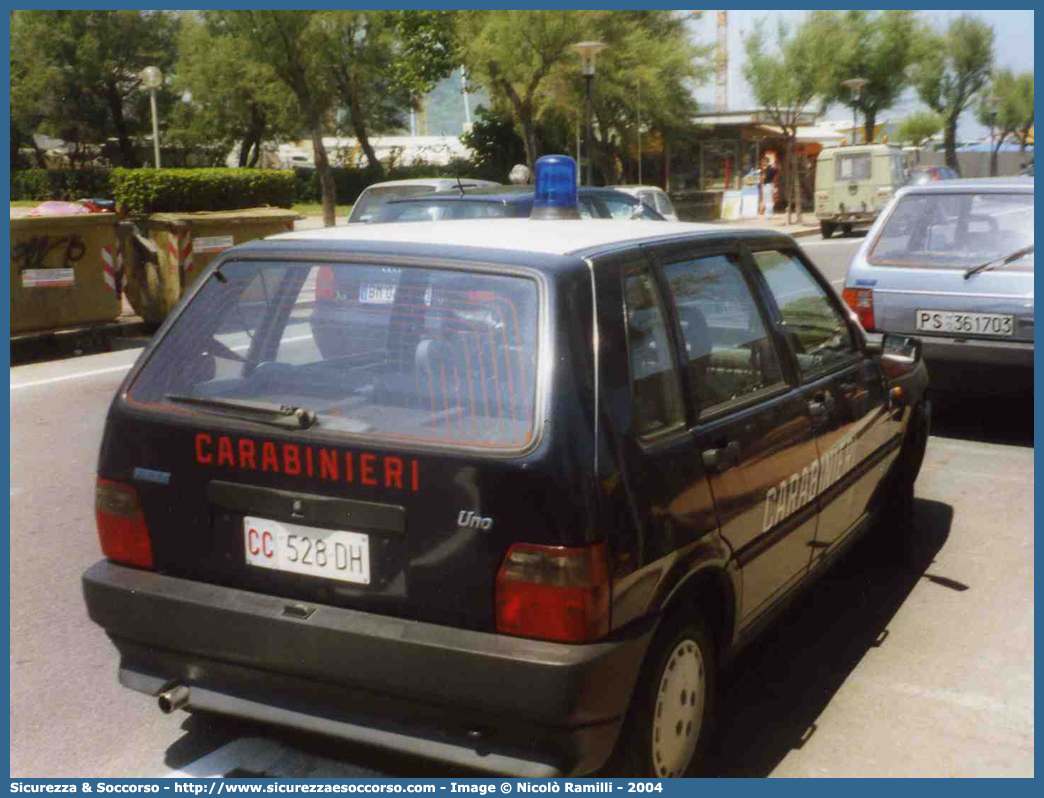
[588,51]
[856,85]
[153,79]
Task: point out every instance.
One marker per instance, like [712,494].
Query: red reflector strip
[554,593]
[122,531]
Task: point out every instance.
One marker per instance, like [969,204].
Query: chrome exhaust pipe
[174,698]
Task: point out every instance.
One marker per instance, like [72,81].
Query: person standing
[768,185]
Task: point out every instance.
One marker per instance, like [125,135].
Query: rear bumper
[998,367]
[986,353]
[494,703]
[860,217]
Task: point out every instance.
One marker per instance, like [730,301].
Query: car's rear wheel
[667,726]
[827,229]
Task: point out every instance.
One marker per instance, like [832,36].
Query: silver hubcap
[679,710]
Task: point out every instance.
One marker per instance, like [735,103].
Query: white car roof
[521,235]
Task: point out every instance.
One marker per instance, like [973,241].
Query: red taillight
[861,300]
[554,592]
[324,283]
[121,524]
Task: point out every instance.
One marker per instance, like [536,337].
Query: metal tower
[721,61]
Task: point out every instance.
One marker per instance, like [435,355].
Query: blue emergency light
[555,188]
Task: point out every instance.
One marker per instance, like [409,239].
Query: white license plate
[965,323]
[383,294]
[376,294]
[328,554]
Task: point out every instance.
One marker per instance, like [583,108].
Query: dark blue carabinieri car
[515,513]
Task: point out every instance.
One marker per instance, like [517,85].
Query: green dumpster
[65,271]
[171,249]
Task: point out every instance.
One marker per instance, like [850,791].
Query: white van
[853,185]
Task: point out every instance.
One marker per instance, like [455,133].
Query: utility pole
[855,85]
[587,52]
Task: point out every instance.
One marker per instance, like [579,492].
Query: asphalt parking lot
[912,662]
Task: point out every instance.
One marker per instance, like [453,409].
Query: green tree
[649,52]
[76,73]
[233,100]
[787,82]
[496,145]
[290,42]
[427,48]
[513,53]
[918,127]
[951,69]
[380,61]
[360,49]
[1006,107]
[523,59]
[878,46]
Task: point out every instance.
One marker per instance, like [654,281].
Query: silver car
[952,263]
[373,197]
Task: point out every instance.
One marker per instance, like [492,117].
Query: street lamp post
[153,79]
[588,51]
[856,85]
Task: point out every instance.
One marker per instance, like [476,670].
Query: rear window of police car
[414,354]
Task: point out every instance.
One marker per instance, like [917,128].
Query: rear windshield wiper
[266,412]
[1019,253]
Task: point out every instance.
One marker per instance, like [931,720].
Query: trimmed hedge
[140,191]
[60,184]
[144,191]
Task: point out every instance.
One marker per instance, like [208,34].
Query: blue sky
[1013,47]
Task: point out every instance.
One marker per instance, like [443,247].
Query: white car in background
[654,197]
[375,196]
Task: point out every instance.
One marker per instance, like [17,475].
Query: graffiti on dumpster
[32,252]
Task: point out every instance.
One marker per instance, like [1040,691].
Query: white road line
[71,377]
[112,369]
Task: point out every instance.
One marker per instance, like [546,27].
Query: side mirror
[899,355]
[902,345]
[878,344]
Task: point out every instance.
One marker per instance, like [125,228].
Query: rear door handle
[722,458]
